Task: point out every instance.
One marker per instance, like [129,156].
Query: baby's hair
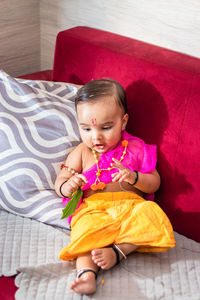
[99,88]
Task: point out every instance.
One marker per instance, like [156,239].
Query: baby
[115,170]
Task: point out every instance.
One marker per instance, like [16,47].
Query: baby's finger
[83,178]
[116,177]
[75,183]
[117,164]
[116,161]
[68,191]
[77,180]
[123,177]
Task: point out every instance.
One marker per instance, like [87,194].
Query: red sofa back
[163,93]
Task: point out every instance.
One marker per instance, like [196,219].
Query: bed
[38,128]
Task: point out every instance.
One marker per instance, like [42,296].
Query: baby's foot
[86,284]
[105,258]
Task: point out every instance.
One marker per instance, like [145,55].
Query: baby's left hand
[124,174]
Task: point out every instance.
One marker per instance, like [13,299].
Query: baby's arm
[66,182]
[147,183]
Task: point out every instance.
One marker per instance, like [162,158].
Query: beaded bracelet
[136,179]
[72,171]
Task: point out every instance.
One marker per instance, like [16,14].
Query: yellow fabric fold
[120,217]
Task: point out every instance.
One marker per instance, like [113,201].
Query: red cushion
[163,91]
[7,288]
[42,75]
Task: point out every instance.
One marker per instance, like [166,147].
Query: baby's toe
[101,264]
[73,284]
[96,253]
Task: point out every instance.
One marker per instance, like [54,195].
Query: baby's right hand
[73,184]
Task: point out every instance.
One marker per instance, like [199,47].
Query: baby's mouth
[99,146]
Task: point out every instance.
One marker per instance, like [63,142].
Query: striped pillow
[38,128]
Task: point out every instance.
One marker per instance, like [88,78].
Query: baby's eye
[107,127]
[86,129]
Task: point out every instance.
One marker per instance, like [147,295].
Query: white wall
[174,24]
[28,28]
[19,36]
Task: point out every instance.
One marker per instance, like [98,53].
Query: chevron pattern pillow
[38,128]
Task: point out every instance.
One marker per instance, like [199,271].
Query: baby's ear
[125,121]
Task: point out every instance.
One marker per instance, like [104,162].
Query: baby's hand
[124,174]
[73,184]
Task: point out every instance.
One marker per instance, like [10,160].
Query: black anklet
[82,271]
[117,254]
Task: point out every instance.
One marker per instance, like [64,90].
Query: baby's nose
[96,136]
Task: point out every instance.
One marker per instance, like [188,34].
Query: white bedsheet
[31,249]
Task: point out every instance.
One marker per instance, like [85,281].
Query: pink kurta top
[139,157]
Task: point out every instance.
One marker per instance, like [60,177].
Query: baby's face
[101,123]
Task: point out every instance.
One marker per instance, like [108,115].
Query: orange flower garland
[98,185]
[124,143]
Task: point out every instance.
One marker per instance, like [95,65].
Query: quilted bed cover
[30,249]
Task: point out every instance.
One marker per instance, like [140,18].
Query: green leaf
[72,204]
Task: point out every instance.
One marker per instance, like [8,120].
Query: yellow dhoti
[115,218]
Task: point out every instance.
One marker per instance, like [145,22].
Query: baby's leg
[106,258]
[86,283]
